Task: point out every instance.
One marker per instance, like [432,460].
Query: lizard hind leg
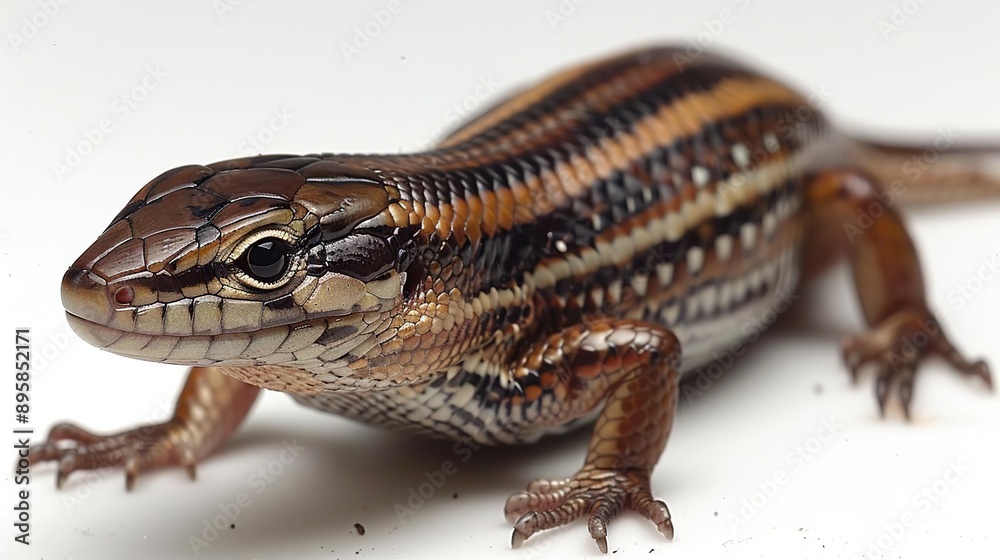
[629,368]
[889,282]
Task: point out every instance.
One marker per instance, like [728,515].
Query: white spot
[770,224]
[695,260]
[739,289]
[561,246]
[725,296]
[615,290]
[709,296]
[771,273]
[596,221]
[640,282]
[691,304]
[664,274]
[741,155]
[748,235]
[724,246]
[700,176]
[771,142]
[471,363]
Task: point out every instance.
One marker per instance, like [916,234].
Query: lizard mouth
[318,340]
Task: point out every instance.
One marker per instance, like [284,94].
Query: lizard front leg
[630,370]
[889,283]
[210,408]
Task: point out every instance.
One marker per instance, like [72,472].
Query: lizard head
[259,261]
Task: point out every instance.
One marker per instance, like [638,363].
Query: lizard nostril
[124,295]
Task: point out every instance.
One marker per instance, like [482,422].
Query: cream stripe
[670,226]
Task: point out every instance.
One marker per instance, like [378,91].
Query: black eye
[267,259]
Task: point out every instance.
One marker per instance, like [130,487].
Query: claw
[657,512]
[897,346]
[982,369]
[978,369]
[905,391]
[598,526]
[67,464]
[882,389]
[131,471]
[518,538]
[599,492]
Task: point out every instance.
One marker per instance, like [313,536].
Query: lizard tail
[942,170]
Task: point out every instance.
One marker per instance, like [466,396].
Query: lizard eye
[267,259]
[264,260]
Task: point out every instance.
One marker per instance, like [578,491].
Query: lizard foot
[137,450]
[896,346]
[599,493]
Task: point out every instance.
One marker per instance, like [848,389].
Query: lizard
[563,259]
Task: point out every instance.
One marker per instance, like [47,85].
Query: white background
[225,74]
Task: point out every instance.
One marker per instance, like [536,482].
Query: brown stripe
[593,88]
[541,193]
[515,104]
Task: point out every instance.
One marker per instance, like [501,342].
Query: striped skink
[564,258]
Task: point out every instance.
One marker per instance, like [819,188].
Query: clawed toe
[896,347]
[594,492]
[75,449]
